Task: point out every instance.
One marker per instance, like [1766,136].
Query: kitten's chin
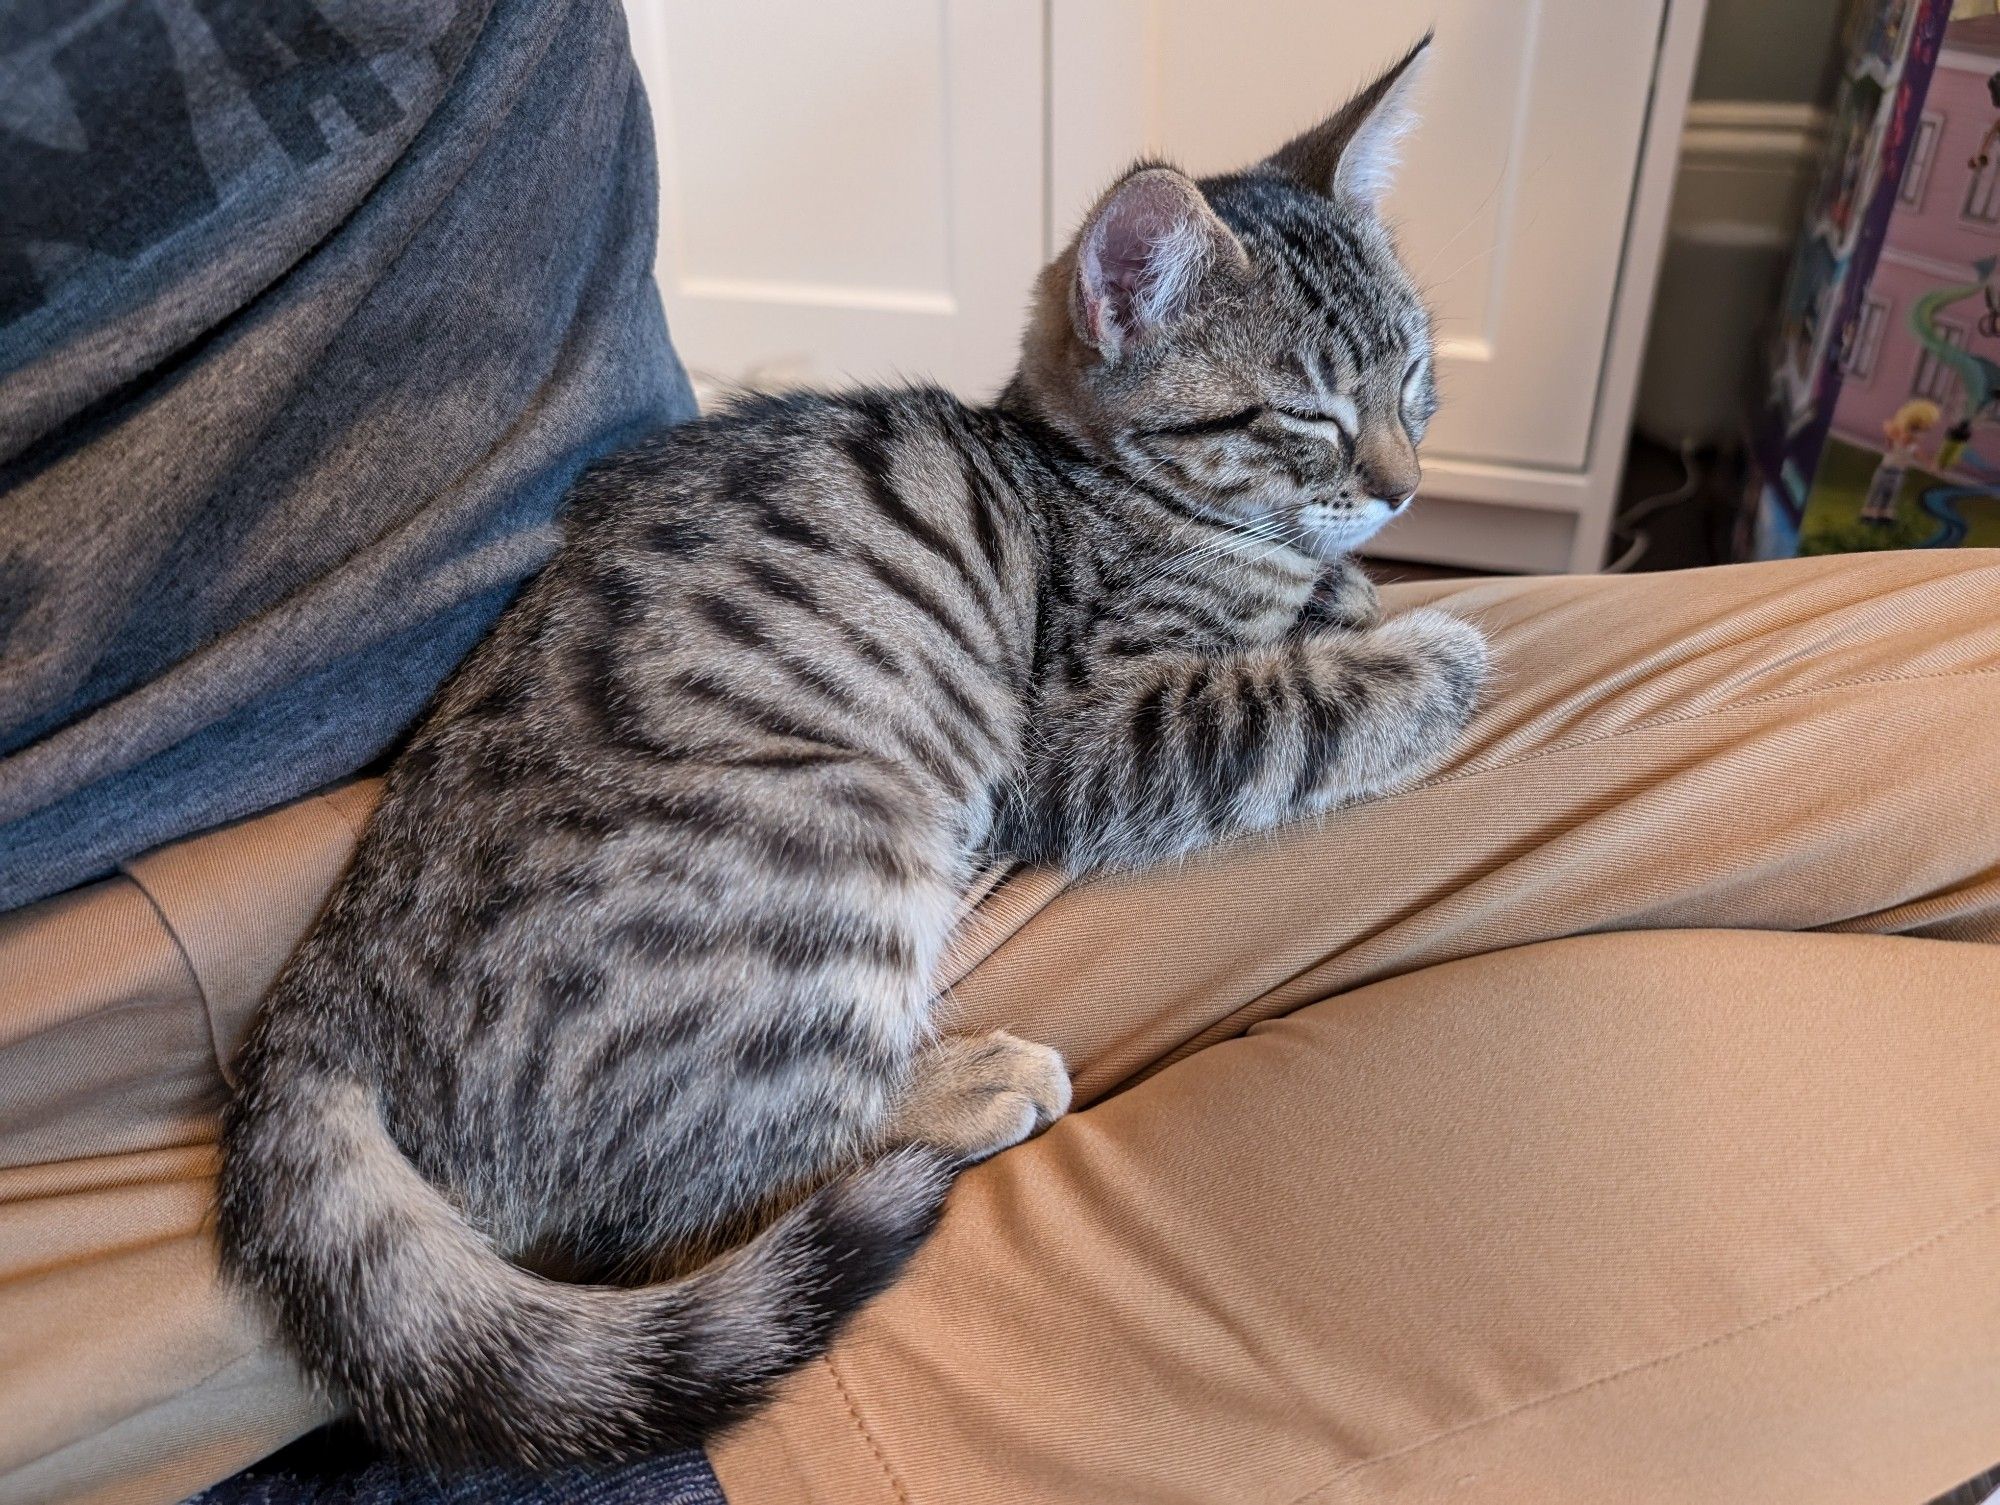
[1328,534]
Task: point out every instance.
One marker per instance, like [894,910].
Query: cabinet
[865,191]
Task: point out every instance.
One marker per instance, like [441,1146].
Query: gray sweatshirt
[310,310]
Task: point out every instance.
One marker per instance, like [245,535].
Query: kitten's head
[1250,342]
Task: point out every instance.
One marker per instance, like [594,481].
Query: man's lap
[1803,746]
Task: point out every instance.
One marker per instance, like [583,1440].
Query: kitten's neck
[1019,406]
[1086,457]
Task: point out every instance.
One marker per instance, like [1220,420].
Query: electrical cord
[1625,524]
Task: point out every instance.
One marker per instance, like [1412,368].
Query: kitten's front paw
[1451,649]
[1343,601]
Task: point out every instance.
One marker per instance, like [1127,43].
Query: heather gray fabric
[309,312]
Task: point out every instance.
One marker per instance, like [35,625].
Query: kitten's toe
[1041,1076]
[1353,604]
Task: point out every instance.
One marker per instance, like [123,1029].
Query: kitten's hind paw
[975,1095]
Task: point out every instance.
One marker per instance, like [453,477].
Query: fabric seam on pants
[874,1445]
[193,972]
[1641,1366]
[1687,718]
[1169,1057]
[341,815]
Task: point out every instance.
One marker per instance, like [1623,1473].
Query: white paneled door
[848,191]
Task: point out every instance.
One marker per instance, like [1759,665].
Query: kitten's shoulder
[738,417]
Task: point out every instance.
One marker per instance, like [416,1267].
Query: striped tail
[452,1354]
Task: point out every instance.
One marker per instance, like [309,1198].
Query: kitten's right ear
[1352,153]
[1143,258]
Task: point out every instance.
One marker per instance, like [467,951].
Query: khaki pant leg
[127,1373]
[1812,744]
[1807,745]
[1674,1218]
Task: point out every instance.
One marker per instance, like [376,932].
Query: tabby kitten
[605,1087]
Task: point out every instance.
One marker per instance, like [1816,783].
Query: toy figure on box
[1904,433]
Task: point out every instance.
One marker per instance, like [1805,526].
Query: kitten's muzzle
[1344,527]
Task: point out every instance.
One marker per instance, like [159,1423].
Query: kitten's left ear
[1352,153]
[1146,255]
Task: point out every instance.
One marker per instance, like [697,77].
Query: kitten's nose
[1387,470]
[1394,487]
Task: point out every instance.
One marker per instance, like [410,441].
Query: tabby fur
[607,1085]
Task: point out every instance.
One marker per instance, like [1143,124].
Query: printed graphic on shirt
[102,108]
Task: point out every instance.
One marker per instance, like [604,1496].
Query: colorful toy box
[1881,420]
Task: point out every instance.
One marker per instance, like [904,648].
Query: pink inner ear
[1126,258]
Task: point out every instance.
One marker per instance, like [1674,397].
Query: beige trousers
[1448,1148]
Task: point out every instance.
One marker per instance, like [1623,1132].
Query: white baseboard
[1745,165]
[1752,127]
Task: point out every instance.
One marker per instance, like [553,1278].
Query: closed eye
[1338,414]
[1416,398]
[1192,428]
[1296,416]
